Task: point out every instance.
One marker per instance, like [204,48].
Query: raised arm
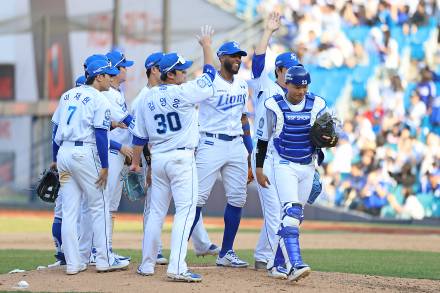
[205,40]
[258,60]
[273,23]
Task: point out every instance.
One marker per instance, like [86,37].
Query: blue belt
[220,136]
[77,143]
[183,148]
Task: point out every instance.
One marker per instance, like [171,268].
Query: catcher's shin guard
[289,233]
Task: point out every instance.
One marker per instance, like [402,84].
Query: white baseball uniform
[119,112]
[298,176]
[167,117]
[221,146]
[80,111]
[287,127]
[263,88]
[200,237]
[115,158]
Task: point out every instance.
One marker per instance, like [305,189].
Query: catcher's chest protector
[294,143]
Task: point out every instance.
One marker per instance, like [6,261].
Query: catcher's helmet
[298,75]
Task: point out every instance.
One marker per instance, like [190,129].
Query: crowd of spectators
[387,162]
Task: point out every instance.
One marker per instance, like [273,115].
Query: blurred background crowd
[378,63]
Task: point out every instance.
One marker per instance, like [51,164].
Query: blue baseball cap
[81,80]
[153,60]
[94,57]
[287,60]
[118,59]
[100,67]
[230,48]
[173,61]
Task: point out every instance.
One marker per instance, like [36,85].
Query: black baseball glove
[48,186]
[323,132]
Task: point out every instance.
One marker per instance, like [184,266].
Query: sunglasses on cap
[100,69]
[121,61]
[180,61]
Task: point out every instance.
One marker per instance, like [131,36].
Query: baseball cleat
[117,265]
[139,272]
[161,260]
[82,268]
[278,272]
[230,259]
[297,274]
[260,265]
[185,277]
[92,260]
[58,263]
[212,250]
[121,257]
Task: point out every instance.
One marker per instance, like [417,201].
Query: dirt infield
[332,235]
[215,280]
[341,240]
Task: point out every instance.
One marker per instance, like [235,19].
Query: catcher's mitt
[323,132]
[133,185]
[48,186]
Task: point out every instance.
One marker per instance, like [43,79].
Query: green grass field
[404,264]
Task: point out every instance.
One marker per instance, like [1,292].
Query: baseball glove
[48,186]
[323,132]
[133,185]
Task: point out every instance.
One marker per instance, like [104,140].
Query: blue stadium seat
[407,94]
[399,36]
[357,33]
[387,212]
[427,201]
[436,207]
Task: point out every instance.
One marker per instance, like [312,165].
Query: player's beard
[229,67]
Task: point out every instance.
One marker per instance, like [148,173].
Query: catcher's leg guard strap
[289,233]
[316,188]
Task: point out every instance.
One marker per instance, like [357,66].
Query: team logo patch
[261,123]
[201,83]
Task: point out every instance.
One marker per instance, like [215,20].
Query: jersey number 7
[72,110]
[172,121]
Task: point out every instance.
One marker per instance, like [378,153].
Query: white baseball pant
[173,174]
[79,168]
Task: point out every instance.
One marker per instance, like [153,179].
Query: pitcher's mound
[214,280]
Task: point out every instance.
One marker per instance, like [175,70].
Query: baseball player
[153,76]
[167,118]
[202,244]
[264,88]
[118,116]
[283,131]
[58,215]
[120,137]
[80,145]
[224,146]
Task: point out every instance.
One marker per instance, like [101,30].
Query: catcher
[295,126]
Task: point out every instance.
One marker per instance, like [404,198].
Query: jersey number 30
[172,121]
